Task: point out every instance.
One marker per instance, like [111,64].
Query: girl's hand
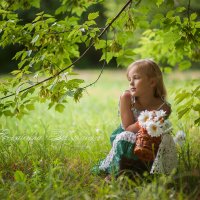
[126,91]
[133,127]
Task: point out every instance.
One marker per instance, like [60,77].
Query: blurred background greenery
[108,8]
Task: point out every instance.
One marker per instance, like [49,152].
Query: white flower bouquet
[152,125]
[154,122]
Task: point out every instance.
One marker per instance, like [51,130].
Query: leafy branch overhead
[49,45]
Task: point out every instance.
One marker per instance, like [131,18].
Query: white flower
[179,137]
[159,114]
[144,117]
[82,30]
[36,76]
[154,122]
[154,129]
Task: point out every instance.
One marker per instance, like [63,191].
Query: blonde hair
[152,70]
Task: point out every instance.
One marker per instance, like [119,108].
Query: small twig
[102,68]
[83,54]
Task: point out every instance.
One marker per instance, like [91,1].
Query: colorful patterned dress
[122,150]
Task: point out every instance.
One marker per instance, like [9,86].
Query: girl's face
[140,83]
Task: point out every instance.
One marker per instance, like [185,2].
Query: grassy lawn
[48,155]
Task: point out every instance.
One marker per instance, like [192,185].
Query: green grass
[48,155]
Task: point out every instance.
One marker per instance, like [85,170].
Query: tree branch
[102,68]
[83,54]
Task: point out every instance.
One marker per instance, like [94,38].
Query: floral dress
[122,147]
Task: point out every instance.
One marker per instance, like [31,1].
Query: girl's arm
[133,127]
[126,113]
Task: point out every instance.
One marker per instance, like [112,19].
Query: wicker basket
[146,147]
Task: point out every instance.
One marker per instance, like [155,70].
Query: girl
[146,92]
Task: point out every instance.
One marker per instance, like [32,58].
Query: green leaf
[30,106]
[170,14]
[34,40]
[158,16]
[167,70]
[40,13]
[7,113]
[15,72]
[74,83]
[4,11]
[18,54]
[47,16]
[70,93]
[100,44]
[51,104]
[20,176]
[24,55]
[193,16]
[78,94]
[181,96]
[124,61]
[107,56]
[59,107]
[143,24]
[197,121]
[196,107]
[129,52]
[37,18]
[21,64]
[178,19]
[184,65]
[50,20]
[159,2]
[92,16]
[61,9]
[196,90]
[183,112]
[197,25]
[170,3]
[31,90]
[180,9]
[35,3]
[90,23]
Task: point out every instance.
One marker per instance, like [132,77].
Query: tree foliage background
[47,41]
